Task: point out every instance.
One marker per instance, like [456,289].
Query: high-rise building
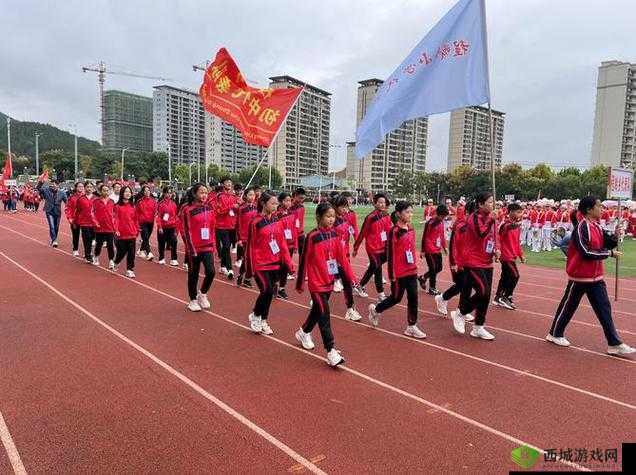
[224,146]
[178,124]
[614,130]
[469,138]
[403,149]
[302,146]
[127,121]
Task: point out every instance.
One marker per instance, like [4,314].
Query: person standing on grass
[104,211]
[247,211]
[343,227]
[265,255]
[480,248]
[510,245]
[402,267]
[298,209]
[226,209]
[589,246]
[198,224]
[374,232]
[146,207]
[69,212]
[85,219]
[167,226]
[53,198]
[287,220]
[321,260]
[126,230]
[433,243]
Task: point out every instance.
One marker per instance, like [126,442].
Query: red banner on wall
[257,113]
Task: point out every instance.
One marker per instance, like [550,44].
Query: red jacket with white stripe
[126,223]
[322,245]
[589,245]
[260,253]
[290,232]
[104,215]
[226,210]
[195,219]
[509,240]
[433,238]
[84,212]
[375,230]
[401,252]
[353,221]
[480,241]
[167,214]
[146,210]
[299,211]
[246,213]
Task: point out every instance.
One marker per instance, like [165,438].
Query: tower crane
[101,71]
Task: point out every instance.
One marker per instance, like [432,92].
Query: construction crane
[101,71]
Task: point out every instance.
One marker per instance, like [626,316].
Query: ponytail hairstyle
[264,198]
[585,205]
[192,192]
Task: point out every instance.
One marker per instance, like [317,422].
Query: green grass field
[555,259]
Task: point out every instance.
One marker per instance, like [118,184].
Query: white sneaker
[621,349]
[95,261]
[458,322]
[223,271]
[185,266]
[203,301]
[174,262]
[352,315]
[162,262]
[256,323]
[230,274]
[469,318]
[305,339]
[130,274]
[54,243]
[381,297]
[142,254]
[111,265]
[374,316]
[265,328]
[238,263]
[334,358]
[383,280]
[233,250]
[75,253]
[194,306]
[291,276]
[149,256]
[337,286]
[479,331]
[441,305]
[360,292]
[415,332]
[557,340]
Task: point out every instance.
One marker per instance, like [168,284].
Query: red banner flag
[257,113]
[7,171]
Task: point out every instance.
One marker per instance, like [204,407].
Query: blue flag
[447,70]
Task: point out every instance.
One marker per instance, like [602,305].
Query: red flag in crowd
[7,171]
[257,113]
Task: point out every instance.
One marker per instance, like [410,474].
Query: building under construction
[127,121]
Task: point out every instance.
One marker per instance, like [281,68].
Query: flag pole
[491,122]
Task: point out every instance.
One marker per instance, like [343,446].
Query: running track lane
[83,265]
[80,399]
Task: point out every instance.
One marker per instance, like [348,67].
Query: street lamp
[37,153]
[123,150]
[74,127]
[190,172]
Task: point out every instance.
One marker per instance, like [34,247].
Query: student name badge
[409,257]
[297,223]
[273,245]
[438,242]
[383,236]
[205,233]
[490,246]
[332,266]
[287,233]
[231,212]
[351,231]
[166,216]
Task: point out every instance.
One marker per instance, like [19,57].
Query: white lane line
[9,446]
[197,388]
[216,401]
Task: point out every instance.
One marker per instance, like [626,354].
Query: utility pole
[169,167]
[9,135]
[123,150]
[37,153]
[75,147]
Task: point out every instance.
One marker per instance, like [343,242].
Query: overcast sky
[544,56]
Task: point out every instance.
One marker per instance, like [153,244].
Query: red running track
[444,405]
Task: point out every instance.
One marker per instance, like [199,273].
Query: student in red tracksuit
[345,230]
[198,223]
[167,226]
[126,230]
[480,247]
[85,219]
[103,209]
[246,212]
[146,207]
[402,266]
[226,209]
[351,216]
[510,245]
[375,230]
[287,220]
[321,261]
[69,212]
[266,253]
[589,246]
[298,208]
[433,243]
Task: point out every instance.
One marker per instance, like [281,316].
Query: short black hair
[299,191]
[224,179]
[512,207]
[347,194]
[441,210]
[377,196]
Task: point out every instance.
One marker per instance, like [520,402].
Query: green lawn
[546,259]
